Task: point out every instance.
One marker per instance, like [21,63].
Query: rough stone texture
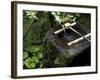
[58,54]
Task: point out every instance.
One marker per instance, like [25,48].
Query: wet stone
[59,54]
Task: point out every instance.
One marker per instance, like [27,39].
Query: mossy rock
[57,53]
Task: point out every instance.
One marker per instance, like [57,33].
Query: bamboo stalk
[78,40]
[59,31]
[79,34]
[67,25]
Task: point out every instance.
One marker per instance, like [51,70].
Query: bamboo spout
[67,25]
[78,40]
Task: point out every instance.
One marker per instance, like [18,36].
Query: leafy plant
[65,17]
[33,56]
[25,55]
[35,26]
[30,63]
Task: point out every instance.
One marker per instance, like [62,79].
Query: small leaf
[57,61]
[25,55]
[77,14]
[69,15]
[36,49]
[29,63]
[41,65]
[74,19]
[40,55]
[35,59]
[32,49]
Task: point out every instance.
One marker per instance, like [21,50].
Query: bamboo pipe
[77,40]
[79,34]
[67,25]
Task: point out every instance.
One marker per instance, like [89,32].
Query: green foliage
[85,20]
[35,26]
[25,55]
[65,17]
[30,63]
[32,49]
[35,56]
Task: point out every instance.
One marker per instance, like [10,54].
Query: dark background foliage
[35,26]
